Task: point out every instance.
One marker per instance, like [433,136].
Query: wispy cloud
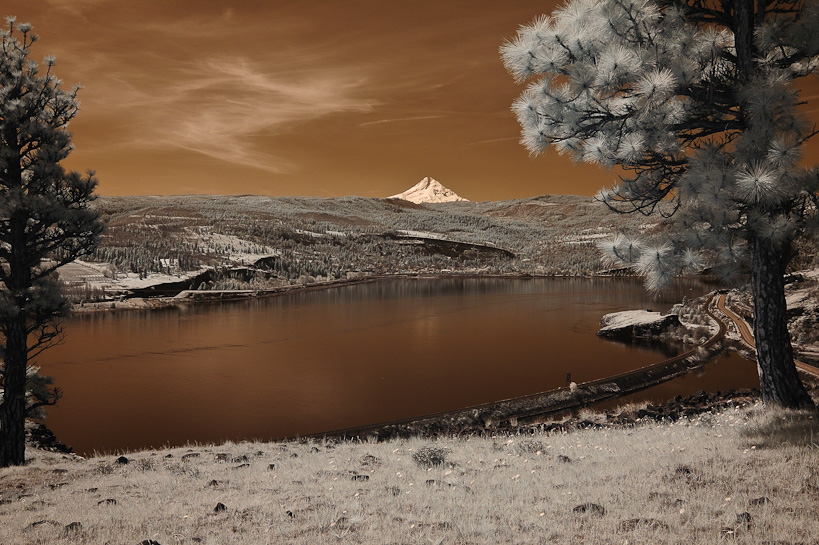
[219,107]
[493,140]
[400,119]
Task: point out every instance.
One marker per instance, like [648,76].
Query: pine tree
[45,222]
[695,101]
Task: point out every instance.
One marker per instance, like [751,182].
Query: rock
[590,509]
[222,456]
[290,514]
[368,460]
[636,324]
[763,500]
[35,524]
[73,527]
[743,520]
[360,478]
[214,482]
[632,524]
[219,508]
[122,460]
[149,542]
[240,466]
[394,490]
[109,501]
[562,458]
[190,455]
[240,459]
[271,467]
[169,455]
[727,531]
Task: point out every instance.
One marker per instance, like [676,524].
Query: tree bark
[13,408]
[778,379]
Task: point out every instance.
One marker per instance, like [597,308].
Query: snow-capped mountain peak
[428,190]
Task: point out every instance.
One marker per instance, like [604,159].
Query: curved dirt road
[748,337]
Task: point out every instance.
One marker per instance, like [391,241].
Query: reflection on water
[322,360]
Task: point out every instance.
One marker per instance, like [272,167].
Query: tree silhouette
[45,222]
[694,101]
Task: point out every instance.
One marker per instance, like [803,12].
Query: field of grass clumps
[746,475]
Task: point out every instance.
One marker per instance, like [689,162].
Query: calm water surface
[322,360]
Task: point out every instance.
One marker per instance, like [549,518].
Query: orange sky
[284,97]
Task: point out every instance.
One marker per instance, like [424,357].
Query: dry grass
[748,476]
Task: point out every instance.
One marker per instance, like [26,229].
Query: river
[328,359]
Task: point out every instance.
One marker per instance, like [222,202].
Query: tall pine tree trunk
[778,379]
[13,408]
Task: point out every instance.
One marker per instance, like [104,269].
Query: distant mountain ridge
[429,190]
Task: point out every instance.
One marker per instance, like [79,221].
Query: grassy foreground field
[743,475]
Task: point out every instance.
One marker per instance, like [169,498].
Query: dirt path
[748,337]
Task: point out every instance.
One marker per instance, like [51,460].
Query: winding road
[747,336]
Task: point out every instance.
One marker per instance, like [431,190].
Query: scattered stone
[683,470]
[73,527]
[109,501]
[590,509]
[55,486]
[59,471]
[219,508]
[222,456]
[294,455]
[743,520]
[240,466]
[271,467]
[290,514]
[149,542]
[91,490]
[368,460]
[563,459]
[394,490]
[727,531]
[632,524]
[240,459]
[314,449]
[190,455]
[169,455]
[762,500]
[122,460]
[35,524]
[531,446]
[360,478]
[214,482]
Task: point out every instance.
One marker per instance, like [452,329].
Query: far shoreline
[218,296]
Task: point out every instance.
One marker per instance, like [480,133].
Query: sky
[285,97]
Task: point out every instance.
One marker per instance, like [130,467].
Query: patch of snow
[419,234]
[428,190]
